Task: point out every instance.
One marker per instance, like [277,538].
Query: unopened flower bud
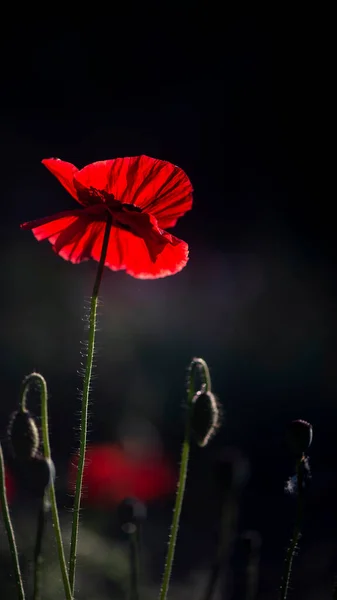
[205,417]
[35,475]
[299,436]
[24,435]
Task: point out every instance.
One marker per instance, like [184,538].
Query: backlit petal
[74,235]
[64,172]
[132,253]
[156,186]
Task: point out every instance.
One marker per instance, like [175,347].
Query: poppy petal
[44,228]
[102,175]
[156,186]
[110,476]
[153,479]
[133,253]
[73,234]
[145,252]
[64,171]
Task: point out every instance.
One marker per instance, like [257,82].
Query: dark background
[243,105]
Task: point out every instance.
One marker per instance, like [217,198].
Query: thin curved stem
[47,454]
[200,366]
[296,533]
[85,403]
[9,529]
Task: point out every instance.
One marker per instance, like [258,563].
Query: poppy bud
[131,513]
[299,436]
[205,416]
[23,434]
[35,475]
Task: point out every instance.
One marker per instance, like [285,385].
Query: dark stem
[101,263]
[253,565]
[38,552]
[297,531]
[227,528]
[134,543]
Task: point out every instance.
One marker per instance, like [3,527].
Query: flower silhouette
[142,195]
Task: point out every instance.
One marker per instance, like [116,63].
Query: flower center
[121,215]
[131,208]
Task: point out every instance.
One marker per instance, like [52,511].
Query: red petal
[110,476]
[9,485]
[153,479]
[106,478]
[148,253]
[154,185]
[53,224]
[132,253]
[73,234]
[64,171]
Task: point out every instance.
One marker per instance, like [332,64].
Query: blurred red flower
[111,475]
[10,486]
[143,195]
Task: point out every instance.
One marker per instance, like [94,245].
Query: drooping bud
[35,475]
[24,435]
[205,417]
[299,437]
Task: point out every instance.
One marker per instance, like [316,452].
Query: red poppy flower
[111,475]
[143,195]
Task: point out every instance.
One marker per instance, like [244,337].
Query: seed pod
[205,417]
[24,435]
[299,437]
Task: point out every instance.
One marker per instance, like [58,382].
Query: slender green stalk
[177,509]
[9,529]
[134,563]
[85,403]
[47,454]
[296,533]
[199,365]
[38,552]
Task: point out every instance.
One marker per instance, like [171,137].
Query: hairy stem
[85,403]
[199,365]
[9,529]
[47,454]
[38,552]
